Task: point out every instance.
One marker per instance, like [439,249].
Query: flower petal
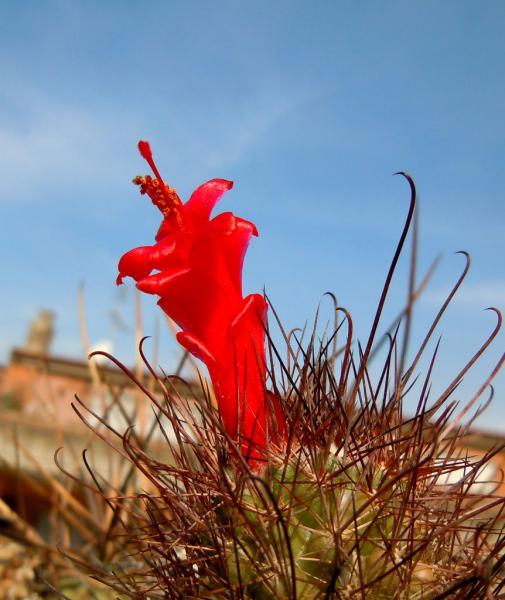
[161,283]
[195,300]
[222,250]
[167,228]
[197,348]
[254,311]
[136,264]
[204,198]
[248,340]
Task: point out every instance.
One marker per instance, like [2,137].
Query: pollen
[161,194]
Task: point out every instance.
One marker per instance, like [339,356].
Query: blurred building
[39,385]
[37,390]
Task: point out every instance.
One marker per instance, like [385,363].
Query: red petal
[204,198]
[254,312]
[167,228]
[227,223]
[136,263]
[234,246]
[197,303]
[222,250]
[248,340]
[161,283]
[197,348]
[170,253]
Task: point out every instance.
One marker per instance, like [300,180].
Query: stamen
[162,195]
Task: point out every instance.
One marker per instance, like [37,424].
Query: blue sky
[308,107]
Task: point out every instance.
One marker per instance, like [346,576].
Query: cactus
[353,500]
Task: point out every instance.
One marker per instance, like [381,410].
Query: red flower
[197,264]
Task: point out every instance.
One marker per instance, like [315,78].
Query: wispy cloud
[482,295]
[47,142]
[251,123]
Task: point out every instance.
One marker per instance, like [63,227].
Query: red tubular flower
[197,264]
